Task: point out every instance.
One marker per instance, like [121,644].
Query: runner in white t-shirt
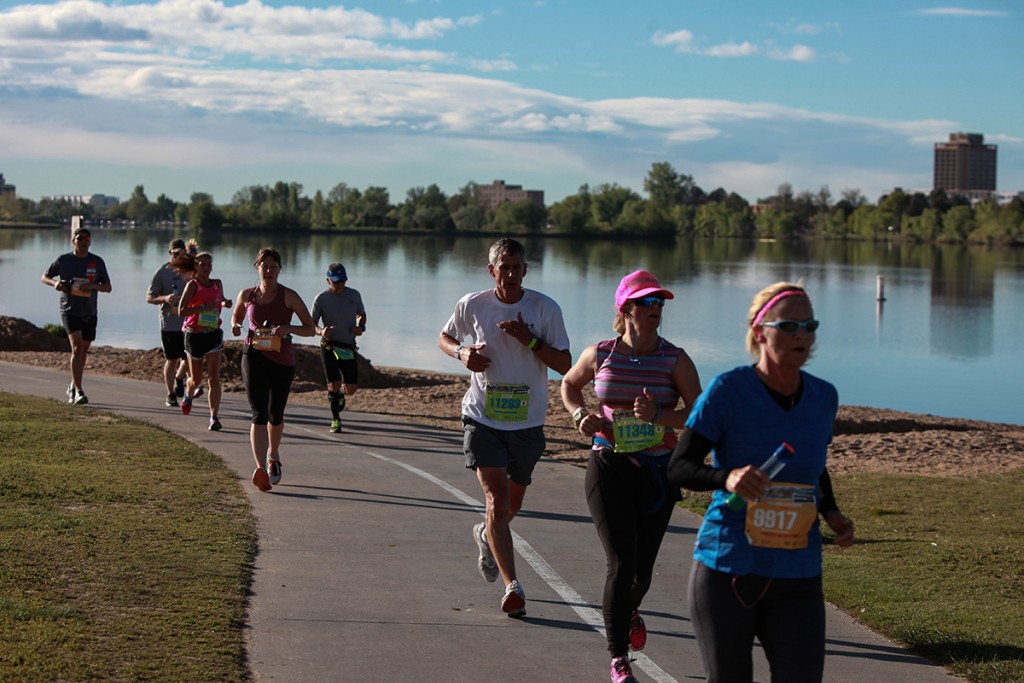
[516,335]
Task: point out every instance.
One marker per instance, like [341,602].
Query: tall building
[965,164]
[5,189]
[490,196]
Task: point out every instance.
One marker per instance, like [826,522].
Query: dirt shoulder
[866,439]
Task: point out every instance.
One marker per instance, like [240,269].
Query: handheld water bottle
[782,456]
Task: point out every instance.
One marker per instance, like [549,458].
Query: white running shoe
[485,560]
[274,470]
[514,602]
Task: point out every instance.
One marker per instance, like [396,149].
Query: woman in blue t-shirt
[757,568]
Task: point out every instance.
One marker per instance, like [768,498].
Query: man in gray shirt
[164,291]
[340,310]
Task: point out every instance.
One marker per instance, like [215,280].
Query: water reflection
[951,318]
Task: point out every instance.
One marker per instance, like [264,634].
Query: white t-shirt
[514,368]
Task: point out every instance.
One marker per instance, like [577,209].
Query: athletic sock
[337,402]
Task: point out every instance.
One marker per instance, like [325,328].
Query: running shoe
[80,398]
[172,401]
[179,387]
[261,480]
[637,631]
[215,425]
[199,392]
[514,602]
[186,405]
[485,560]
[274,468]
[71,393]
[335,426]
[622,672]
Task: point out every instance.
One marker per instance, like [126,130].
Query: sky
[184,96]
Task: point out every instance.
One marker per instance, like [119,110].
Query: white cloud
[732,50]
[961,12]
[685,42]
[796,53]
[681,40]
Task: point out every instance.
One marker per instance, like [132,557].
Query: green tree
[957,224]
[572,215]
[667,188]
[319,213]
[519,215]
[203,213]
[606,203]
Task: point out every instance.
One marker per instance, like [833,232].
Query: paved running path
[367,570]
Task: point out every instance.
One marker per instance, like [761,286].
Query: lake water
[947,341]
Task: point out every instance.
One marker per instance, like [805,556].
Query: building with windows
[5,189]
[965,165]
[99,202]
[497,193]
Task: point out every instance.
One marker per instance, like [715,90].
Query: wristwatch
[577,417]
[458,352]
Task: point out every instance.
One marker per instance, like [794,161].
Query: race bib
[263,340]
[76,287]
[507,402]
[633,434]
[210,319]
[782,517]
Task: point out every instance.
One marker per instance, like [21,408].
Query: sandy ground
[866,439]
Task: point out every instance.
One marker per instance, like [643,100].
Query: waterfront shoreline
[866,439]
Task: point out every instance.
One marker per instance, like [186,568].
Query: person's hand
[842,526]
[590,424]
[517,328]
[356,330]
[172,299]
[749,482]
[473,359]
[236,329]
[61,285]
[327,329]
[279,330]
[644,407]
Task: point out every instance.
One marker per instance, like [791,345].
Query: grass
[126,551]
[938,565]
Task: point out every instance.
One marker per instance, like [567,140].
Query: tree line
[672,205]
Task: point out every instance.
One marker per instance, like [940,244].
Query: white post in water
[880,288]
[76,223]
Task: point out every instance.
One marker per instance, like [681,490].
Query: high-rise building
[965,164]
[5,189]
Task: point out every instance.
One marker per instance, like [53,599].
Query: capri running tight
[267,385]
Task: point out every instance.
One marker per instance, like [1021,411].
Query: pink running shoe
[186,405]
[622,672]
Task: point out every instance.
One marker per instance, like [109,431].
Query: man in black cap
[79,276]
[340,310]
[164,291]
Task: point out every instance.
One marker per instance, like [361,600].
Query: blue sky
[198,95]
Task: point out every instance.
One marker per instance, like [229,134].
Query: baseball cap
[177,244]
[82,231]
[336,272]
[638,284]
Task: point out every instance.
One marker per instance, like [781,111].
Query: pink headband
[774,300]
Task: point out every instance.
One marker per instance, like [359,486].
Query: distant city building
[497,193]
[99,202]
[5,189]
[965,165]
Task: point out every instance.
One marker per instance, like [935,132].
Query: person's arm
[298,307]
[51,278]
[579,376]
[238,314]
[687,468]
[559,360]
[186,300]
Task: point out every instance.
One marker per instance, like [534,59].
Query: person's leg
[650,530]
[613,510]
[724,628]
[791,627]
[499,498]
[351,389]
[195,371]
[79,352]
[213,372]
[169,375]
[257,390]
[281,377]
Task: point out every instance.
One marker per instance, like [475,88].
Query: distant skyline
[185,96]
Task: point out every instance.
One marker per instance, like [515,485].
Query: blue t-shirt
[740,417]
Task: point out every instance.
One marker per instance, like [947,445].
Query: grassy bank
[127,551]
[938,565]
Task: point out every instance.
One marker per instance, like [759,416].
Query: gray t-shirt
[167,280]
[339,310]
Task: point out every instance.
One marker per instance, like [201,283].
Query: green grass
[938,565]
[126,551]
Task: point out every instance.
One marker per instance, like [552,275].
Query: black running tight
[266,385]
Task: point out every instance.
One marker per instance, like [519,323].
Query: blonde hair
[619,321]
[762,299]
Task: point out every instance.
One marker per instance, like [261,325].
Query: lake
[946,340]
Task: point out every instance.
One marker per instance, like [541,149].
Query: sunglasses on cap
[794,326]
[175,252]
[649,301]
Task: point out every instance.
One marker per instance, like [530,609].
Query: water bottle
[782,456]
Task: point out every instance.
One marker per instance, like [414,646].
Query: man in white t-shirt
[517,334]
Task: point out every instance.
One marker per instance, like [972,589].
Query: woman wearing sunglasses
[757,559]
[639,379]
